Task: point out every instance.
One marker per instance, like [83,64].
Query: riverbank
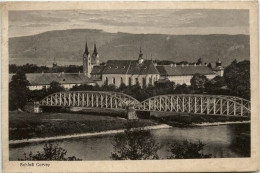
[221,123]
[109,132]
[24,126]
[189,120]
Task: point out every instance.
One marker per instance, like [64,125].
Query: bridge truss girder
[197,104]
[89,99]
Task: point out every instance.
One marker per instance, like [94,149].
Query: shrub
[50,152]
[134,145]
[187,150]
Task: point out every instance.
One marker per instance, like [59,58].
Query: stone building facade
[129,72]
[182,74]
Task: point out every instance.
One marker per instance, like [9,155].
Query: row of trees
[168,62]
[236,81]
[33,68]
[131,145]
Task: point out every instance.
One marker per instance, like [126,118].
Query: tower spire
[86,61]
[95,49]
[86,48]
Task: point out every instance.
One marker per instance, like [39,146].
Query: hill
[67,46]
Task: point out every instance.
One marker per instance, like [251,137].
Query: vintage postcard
[130,86]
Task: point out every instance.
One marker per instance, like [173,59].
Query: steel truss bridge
[196,104]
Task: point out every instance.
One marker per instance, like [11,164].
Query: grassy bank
[185,119]
[23,125]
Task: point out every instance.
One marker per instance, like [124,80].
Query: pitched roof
[161,70]
[129,67]
[116,67]
[47,78]
[97,69]
[180,70]
[147,67]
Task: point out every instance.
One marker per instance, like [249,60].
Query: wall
[219,73]
[66,86]
[125,79]
[38,87]
[114,79]
[186,79]
[139,78]
[211,76]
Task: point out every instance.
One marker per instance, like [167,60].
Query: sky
[152,21]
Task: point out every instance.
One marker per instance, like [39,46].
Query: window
[106,81]
[150,80]
[130,81]
[144,82]
[136,81]
[122,80]
[113,80]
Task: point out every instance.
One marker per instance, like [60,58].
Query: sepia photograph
[128,84]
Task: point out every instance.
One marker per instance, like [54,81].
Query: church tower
[95,56]
[86,62]
[140,58]
[218,63]
[219,70]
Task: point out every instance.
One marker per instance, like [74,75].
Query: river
[221,141]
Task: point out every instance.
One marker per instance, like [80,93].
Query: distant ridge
[67,46]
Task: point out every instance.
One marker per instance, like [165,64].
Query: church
[116,72]
[142,71]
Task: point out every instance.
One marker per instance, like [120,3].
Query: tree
[216,83]
[187,150]
[110,87]
[50,152]
[18,91]
[198,81]
[55,87]
[181,89]
[209,65]
[83,87]
[199,61]
[134,145]
[237,77]
[122,87]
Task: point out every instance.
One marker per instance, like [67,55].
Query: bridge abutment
[131,113]
[37,108]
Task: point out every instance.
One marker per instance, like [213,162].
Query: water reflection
[221,141]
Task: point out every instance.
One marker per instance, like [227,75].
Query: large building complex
[130,72]
[144,72]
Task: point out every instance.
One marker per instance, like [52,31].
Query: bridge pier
[37,108]
[131,113]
